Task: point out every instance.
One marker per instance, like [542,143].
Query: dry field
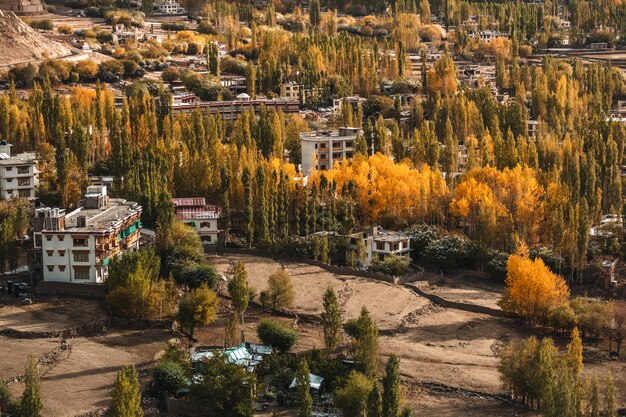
[80,378]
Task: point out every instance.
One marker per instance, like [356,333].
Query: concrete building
[203,217]
[19,176]
[379,244]
[77,246]
[291,91]
[170,7]
[22,7]
[320,150]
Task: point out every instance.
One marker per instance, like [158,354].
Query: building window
[205,224]
[62,268]
[50,268]
[24,193]
[21,182]
[322,156]
[81,256]
[9,179]
[49,252]
[81,242]
[61,253]
[61,238]
[336,155]
[23,170]
[380,245]
[323,145]
[48,238]
[9,169]
[81,272]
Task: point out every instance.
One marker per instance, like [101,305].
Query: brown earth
[19,43]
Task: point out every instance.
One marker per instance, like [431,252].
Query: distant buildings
[22,7]
[170,7]
[379,244]
[77,246]
[229,110]
[291,91]
[321,149]
[19,176]
[203,217]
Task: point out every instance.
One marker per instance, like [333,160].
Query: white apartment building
[380,243]
[19,176]
[77,246]
[320,150]
[203,217]
[170,7]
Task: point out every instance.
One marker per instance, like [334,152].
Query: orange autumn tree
[532,290]
[496,207]
[391,192]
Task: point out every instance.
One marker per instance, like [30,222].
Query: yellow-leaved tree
[532,290]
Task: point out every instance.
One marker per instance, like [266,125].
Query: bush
[277,335]
[450,252]
[45,24]
[110,71]
[421,236]
[170,74]
[168,377]
[194,275]
[87,70]
[173,26]
[65,29]
[280,292]
[394,265]
[206,28]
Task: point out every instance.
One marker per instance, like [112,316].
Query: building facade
[320,150]
[77,246]
[203,217]
[378,244]
[19,176]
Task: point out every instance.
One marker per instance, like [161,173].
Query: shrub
[421,236]
[168,377]
[173,26]
[395,265]
[280,292]
[45,24]
[170,74]
[87,69]
[277,335]
[450,252]
[65,29]
[194,275]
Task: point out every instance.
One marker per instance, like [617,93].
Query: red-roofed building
[203,217]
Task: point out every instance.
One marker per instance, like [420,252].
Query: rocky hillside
[19,43]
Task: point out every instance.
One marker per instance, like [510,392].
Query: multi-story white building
[19,177]
[380,243]
[77,246]
[203,217]
[320,150]
[170,7]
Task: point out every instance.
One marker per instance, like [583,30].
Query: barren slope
[19,43]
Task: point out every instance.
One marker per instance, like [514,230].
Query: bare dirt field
[80,378]
[472,288]
[49,313]
[387,303]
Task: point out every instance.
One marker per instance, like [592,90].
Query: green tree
[225,390]
[168,377]
[351,398]
[331,319]
[126,398]
[197,308]
[5,397]
[314,13]
[248,210]
[391,388]
[31,404]
[280,292]
[303,386]
[239,291]
[374,402]
[594,399]
[277,335]
[365,342]
[575,353]
[610,405]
